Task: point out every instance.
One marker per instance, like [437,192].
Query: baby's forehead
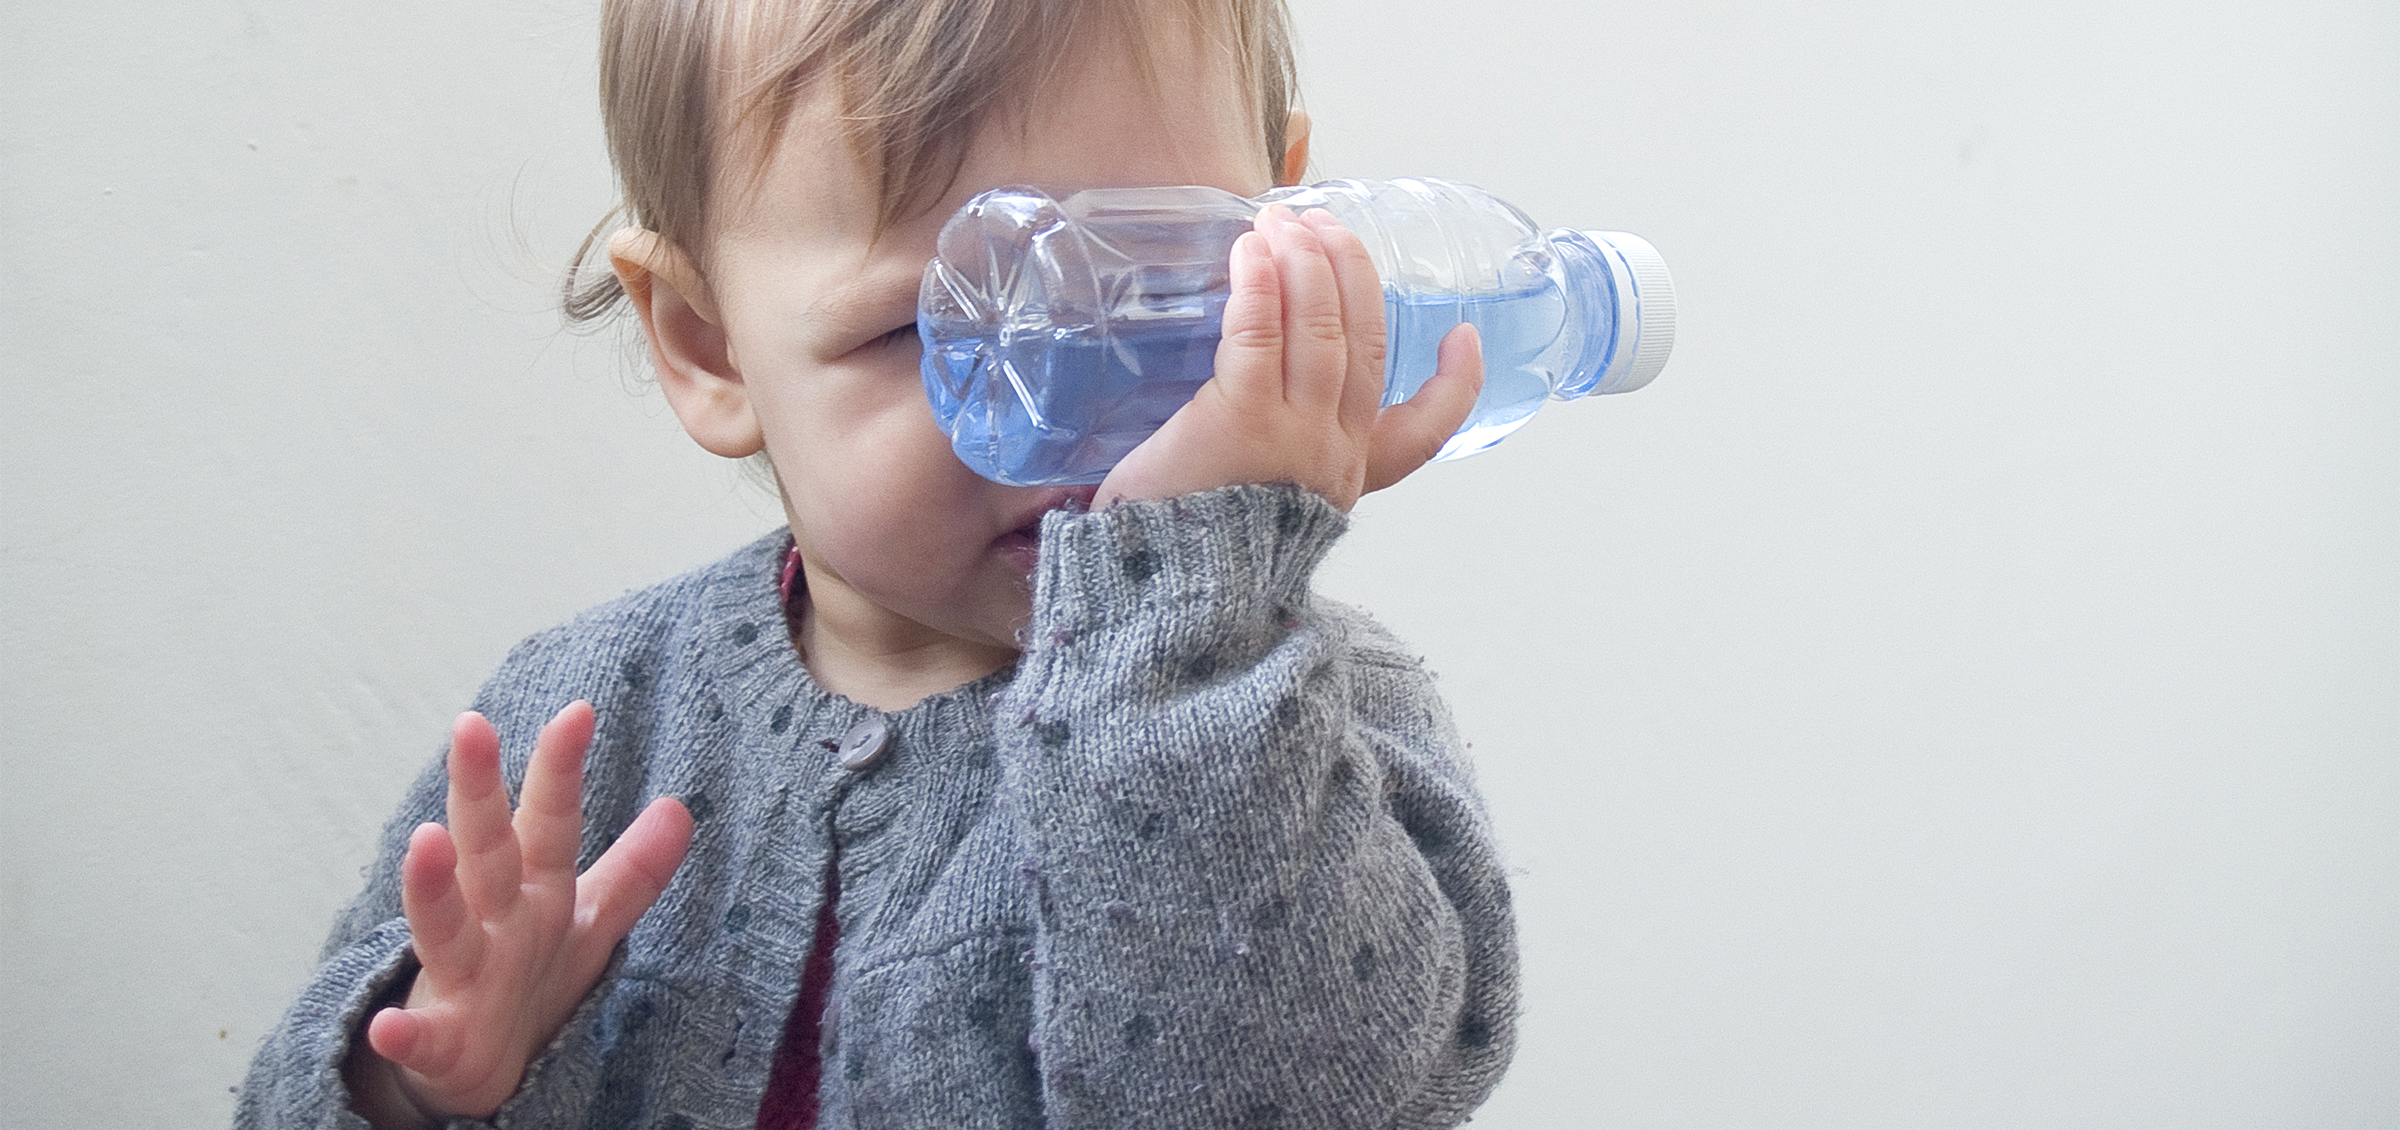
[897,118]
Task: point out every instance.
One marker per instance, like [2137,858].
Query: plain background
[1964,691]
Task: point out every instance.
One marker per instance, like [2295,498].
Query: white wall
[1963,692]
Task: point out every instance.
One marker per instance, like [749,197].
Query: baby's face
[911,558]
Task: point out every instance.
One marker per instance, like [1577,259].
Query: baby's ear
[687,342]
[1295,149]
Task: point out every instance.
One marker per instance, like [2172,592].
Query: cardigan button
[865,746]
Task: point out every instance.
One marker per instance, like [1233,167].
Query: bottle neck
[1601,333]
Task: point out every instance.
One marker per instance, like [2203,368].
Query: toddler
[957,805]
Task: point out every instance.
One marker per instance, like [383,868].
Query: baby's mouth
[1020,547]
[1023,543]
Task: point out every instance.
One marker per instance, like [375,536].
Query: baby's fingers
[1412,432]
[434,1048]
[1315,364]
[627,878]
[1361,297]
[1250,355]
[409,1039]
[480,825]
[549,821]
[440,925]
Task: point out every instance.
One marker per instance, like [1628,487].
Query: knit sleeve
[1265,889]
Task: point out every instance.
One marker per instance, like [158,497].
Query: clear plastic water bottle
[1059,334]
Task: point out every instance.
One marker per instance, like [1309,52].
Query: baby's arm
[1265,890]
[507,937]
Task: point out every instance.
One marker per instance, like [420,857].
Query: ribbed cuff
[1231,547]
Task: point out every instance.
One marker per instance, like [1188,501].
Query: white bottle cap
[1653,318]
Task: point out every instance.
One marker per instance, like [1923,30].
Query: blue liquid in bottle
[1518,330]
[1066,404]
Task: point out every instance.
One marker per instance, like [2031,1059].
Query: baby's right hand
[508,937]
[1298,387]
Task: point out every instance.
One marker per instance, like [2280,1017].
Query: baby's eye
[898,335]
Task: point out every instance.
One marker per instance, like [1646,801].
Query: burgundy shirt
[791,1102]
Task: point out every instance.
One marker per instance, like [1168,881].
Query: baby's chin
[1000,617]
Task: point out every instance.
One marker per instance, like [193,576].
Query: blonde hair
[914,80]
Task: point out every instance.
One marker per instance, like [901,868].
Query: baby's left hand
[1299,380]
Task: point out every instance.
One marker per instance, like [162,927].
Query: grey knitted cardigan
[1207,856]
